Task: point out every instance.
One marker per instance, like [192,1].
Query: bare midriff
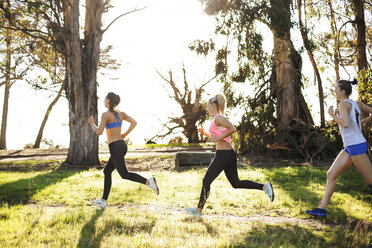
[223,145]
[113,134]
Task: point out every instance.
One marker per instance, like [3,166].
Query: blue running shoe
[317,212]
[193,212]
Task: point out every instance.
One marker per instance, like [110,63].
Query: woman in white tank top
[347,117]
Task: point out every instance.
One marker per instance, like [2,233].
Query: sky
[156,38]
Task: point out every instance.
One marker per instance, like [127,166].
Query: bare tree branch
[127,13]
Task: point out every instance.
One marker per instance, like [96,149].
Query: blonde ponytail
[220,102]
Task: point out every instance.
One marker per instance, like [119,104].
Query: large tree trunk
[313,63]
[364,89]
[6,91]
[81,88]
[46,116]
[288,63]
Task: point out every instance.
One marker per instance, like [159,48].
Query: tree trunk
[313,63]
[288,65]
[6,92]
[336,59]
[81,88]
[46,116]
[361,40]
[364,89]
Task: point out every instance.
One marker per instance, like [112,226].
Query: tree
[15,68]
[194,113]
[309,46]
[61,29]
[277,101]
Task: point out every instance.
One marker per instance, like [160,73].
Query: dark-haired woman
[347,117]
[225,158]
[112,120]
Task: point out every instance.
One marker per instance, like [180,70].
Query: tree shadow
[286,235]
[22,190]
[89,237]
[210,229]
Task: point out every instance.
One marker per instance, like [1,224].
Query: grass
[75,223]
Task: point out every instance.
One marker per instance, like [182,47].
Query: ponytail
[114,100]
[346,85]
[220,102]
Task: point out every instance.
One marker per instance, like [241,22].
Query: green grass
[77,224]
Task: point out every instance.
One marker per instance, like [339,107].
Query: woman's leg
[214,169]
[341,163]
[363,165]
[118,151]
[231,172]
[107,171]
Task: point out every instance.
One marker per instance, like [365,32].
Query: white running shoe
[153,185]
[269,191]
[100,203]
[193,211]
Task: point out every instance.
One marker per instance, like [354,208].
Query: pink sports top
[218,130]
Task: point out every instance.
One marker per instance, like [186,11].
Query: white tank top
[352,135]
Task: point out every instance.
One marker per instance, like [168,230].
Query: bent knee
[235,185]
[331,175]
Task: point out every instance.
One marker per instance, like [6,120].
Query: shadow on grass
[296,181]
[210,229]
[287,235]
[22,190]
[90,237]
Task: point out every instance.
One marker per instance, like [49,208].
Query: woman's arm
[342,120]
[222,121]
[203,132]
[132,122]
[366,120]
[364,108]
[98,130]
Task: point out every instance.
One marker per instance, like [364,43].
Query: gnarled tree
[193,111]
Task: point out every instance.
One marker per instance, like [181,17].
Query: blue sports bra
[116,123]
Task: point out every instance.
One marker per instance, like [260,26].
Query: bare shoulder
[345,105]
[122,115]
[105,114]
[220,119]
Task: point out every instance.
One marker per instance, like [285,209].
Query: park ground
[44,204]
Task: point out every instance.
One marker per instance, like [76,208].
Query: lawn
[44,205]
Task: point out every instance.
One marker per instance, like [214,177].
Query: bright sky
[153,39]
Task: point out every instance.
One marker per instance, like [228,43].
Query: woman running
[112,120]
[225,158]
[348,118]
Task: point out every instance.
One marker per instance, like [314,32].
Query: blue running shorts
[357,149]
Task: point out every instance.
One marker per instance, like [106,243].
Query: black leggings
[224,160]
[118,149]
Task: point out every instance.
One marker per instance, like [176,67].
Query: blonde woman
[112,120]
[220,131]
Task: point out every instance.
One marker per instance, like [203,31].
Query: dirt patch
[147,163]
